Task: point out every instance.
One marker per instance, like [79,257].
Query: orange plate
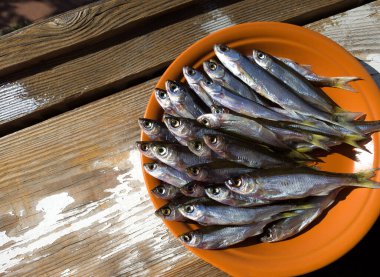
[347,222]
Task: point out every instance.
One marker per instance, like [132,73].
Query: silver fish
[193,78]
[145,148]
[239,104]
[166,191]
[215,214]
[186,103]
[200,148]
[291,226]
[163,99]
[242,126]
[254,156]
[282,184]
[167,174]
[221,75]
[176,156]
[194,189]
[222,194]
[215,174]
[222,236]
[155,130]
[317,80]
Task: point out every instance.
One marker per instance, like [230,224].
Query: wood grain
[73,199]
[358,31]
[67,80]
[73,29]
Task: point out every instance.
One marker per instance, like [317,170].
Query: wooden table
[72,197]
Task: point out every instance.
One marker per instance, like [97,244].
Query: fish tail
[317,140]
[352,140]
[366,174]
[342,82]
[347,116]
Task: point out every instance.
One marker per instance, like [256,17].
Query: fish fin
[352,140]
[317,140]
[366,174]
[342,82]
[362,117]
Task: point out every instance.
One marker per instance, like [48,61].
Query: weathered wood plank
[124,59]
[73,202]
[358,30]
[85,25]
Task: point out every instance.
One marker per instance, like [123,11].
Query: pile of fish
[237,148]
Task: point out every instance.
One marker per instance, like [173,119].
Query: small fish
[145,148]
[217,214]
[186,103]
[213,237]
[171,212]
[167,174]
[239,104]
[200,148]
[176,156]
[166,191]
[186,129]
[163,99]
[320,81]
[221,75]
[241,126]
[254,156]
[194,189]
[288,227]
[216,174]
[222,194]
[283,184]
[156,130]
[193,78]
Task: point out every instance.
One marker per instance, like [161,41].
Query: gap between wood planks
[151,24]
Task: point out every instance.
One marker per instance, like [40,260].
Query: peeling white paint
[15,96]
[68,272]
[21,212]
[4,238]
[218,21]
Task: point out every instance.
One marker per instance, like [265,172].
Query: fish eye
[173,86]
[190,189]
[194,171]
[144,147]
[209,82]
[224,48]
[166,211]
[161,190]
[213,66]
[215,191]
[234,182]
[174,123]
[219,110]
[213,139]
[161,150]
[187,238]
[189,209]
[191,72]
[148,125]
[198,146]
[206,122]
[260,55]
[162,94]
[152,166]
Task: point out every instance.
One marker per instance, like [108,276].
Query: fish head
[192,238]
[149,127]
[162,191]
[197,173]
[261,58]
[211,87]
[244,184]
[199,148]
[192,211]
[192,75]
[219,109]
[176,91]
[214,69]
[226,54]
[164,151]
[162,97]
[210,120]
[217,192]
[177,125]
[167,212]
[144,147]
[215,142]
[193,189]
